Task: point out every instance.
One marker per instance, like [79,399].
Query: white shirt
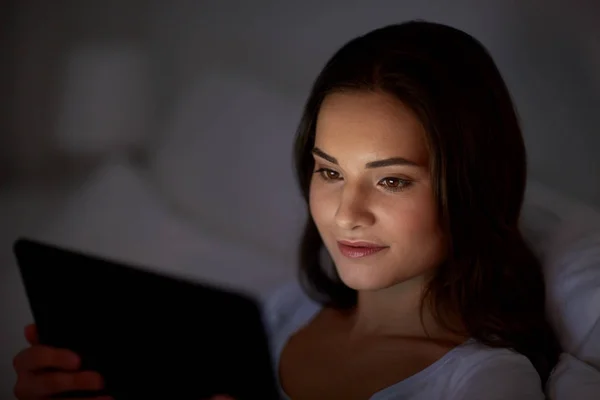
[471,371]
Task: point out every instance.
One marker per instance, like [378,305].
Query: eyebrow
[373,164]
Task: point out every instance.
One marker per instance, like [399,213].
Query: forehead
[367,126]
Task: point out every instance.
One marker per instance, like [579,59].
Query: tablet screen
[149,335]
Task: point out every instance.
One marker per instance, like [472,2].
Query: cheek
[411,219]
[420,235]
[322,204]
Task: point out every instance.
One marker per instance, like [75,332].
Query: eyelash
[405,184]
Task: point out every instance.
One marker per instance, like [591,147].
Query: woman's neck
[395,311]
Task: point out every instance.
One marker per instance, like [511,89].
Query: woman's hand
[44,371]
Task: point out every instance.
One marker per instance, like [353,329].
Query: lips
[359,249]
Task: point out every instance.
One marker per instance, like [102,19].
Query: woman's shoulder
[286,307]
[481,371]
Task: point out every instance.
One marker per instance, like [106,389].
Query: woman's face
[371,195]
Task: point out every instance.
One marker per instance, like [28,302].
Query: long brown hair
[491,278]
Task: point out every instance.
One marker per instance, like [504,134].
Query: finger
[222,397]
[31,334]
[37,358]
[91,398]
[53,383]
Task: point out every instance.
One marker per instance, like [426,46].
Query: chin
[361,277]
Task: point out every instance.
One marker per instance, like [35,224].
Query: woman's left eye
[394,184]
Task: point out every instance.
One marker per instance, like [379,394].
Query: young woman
[412,163]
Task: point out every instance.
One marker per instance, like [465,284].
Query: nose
[353,211]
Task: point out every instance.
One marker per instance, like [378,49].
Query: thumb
[31,334]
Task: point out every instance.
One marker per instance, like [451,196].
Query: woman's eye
[394,184]
[328,174]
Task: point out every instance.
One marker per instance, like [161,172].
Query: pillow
[573,379]
[107,101]
[590,348]
[225,161]
[117,214]
[566,236]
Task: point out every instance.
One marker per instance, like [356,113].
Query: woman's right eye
[328,174]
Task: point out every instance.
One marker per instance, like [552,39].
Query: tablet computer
[150,335]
